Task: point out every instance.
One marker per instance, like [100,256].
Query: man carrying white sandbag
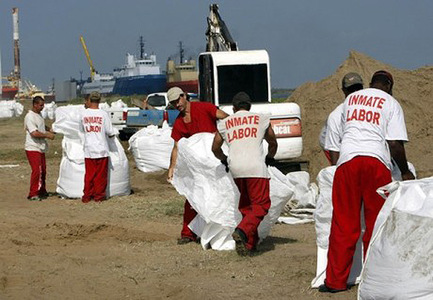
[373,130]
[193,118]
[244,133]
[96,126]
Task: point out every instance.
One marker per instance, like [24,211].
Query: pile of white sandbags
[10,108]
[399,259]
[151,148]
[212,192]
[70,183]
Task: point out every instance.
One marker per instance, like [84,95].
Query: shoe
[34,198]
[241,243]
[47,194]
[184,240]
[324,289]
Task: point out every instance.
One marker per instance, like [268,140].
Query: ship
[8,92]
[140,76]
[102,83]
[184,74]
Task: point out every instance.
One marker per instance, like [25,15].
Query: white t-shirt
[334,128]
[33,122]
[96,125]
[371,117]
[244,132]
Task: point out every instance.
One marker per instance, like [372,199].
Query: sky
[306,40]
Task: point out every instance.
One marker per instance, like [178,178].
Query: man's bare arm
[399,155]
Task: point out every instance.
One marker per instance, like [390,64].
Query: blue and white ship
[141,76]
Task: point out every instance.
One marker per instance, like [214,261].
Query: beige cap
[174,93]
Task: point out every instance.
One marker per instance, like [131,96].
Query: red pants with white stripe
[39,171]
[188,215]
[355,182]
[95,179]
[254,204]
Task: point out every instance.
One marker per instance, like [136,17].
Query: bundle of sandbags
[10,108]
[70,183]
[49,110]
[151,148]
[398,263]
[212,192]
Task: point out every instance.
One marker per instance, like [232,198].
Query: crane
[89,60]
[217,34]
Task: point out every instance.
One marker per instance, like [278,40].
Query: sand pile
[413,89]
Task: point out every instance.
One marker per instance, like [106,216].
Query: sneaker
[184,240]
[34,198]
[46,195]
[241,242]
[325,289]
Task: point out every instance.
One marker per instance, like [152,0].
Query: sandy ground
[125,248]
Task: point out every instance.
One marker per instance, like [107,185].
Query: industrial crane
[218,37]
[89,60]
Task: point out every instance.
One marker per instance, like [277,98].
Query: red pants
[39,171]
[355,182]
[254,204]
[95,179]
[328,156]
[188,215]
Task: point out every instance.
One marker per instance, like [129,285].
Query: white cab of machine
[223,74]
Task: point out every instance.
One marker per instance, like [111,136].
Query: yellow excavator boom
[89,60]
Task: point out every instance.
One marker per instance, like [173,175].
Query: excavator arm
[218,37]
[89,60]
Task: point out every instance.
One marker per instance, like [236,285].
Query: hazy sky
[306,40]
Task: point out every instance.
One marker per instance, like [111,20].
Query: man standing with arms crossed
[96,126]
[373,131]
[36,146]
[193,118]
[244,133]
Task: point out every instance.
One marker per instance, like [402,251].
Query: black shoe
[241,242]
[184,240]
[324,289]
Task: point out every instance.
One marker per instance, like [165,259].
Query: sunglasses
[175,102]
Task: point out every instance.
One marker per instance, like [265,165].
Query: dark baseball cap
[350,79]
[383,73]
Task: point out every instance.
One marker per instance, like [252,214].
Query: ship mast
[181,52]
[141,47]
[17,68]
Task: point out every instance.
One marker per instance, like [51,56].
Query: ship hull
[189,86]
[8,93]
[139,85]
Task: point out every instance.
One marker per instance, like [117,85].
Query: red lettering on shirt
[363,115]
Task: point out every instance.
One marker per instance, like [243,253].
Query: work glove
[225,163]
[269,161]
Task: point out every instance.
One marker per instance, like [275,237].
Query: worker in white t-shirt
[36,146]
[96,126]
[350,83]
[373,131]
[244,133]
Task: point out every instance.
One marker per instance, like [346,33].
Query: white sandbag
[399,261]
[104,106]
[211,191]
[280,192]
[305,193]
[10,108]
[151,148]
[202,179]
[70,183]
[323,212]
[118,104]
[49,110]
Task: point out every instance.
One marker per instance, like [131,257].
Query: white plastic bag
[151,148]
[399,262]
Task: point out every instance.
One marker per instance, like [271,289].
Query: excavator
[224,70]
